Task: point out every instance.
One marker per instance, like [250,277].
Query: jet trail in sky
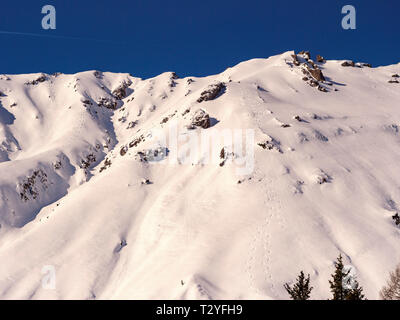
[57,37]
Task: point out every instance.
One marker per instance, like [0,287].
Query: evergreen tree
[339,291]
[355,293]
[301,289]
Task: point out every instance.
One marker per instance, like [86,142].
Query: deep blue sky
[148,37]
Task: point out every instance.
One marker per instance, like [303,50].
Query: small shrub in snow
[301,290]
[271,144]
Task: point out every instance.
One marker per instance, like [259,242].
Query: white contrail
[57,37]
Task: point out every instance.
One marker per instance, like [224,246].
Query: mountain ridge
[84,188]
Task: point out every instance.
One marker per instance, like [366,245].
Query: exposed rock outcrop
[40,79]
[351,63]
[152,155]
[316,74]
[322,177]
[123,150]
[212,92]
[120,92]
[107,164]
[87,161]
[306,54]
[29,188]
[312,73]
[136,141]
[396,219]
[107,103]
[394,79]
[98,74]
[348,64]
[320,59]
[271,144]
[200,119]
[296,61]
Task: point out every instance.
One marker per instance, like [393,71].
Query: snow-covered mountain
[101,179]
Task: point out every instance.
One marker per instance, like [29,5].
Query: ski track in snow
[272,208]
[263,235]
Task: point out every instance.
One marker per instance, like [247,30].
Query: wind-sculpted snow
[199,188]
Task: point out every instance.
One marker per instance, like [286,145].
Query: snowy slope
[324,180]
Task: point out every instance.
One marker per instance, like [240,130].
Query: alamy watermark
[202,147]
[349,20]
[49,277]
[49,20]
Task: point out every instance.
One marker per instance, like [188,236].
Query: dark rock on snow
[348,64]
[212,92]
[201,119]
[107,103]
[316,74]
[120,92]
[320,58]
